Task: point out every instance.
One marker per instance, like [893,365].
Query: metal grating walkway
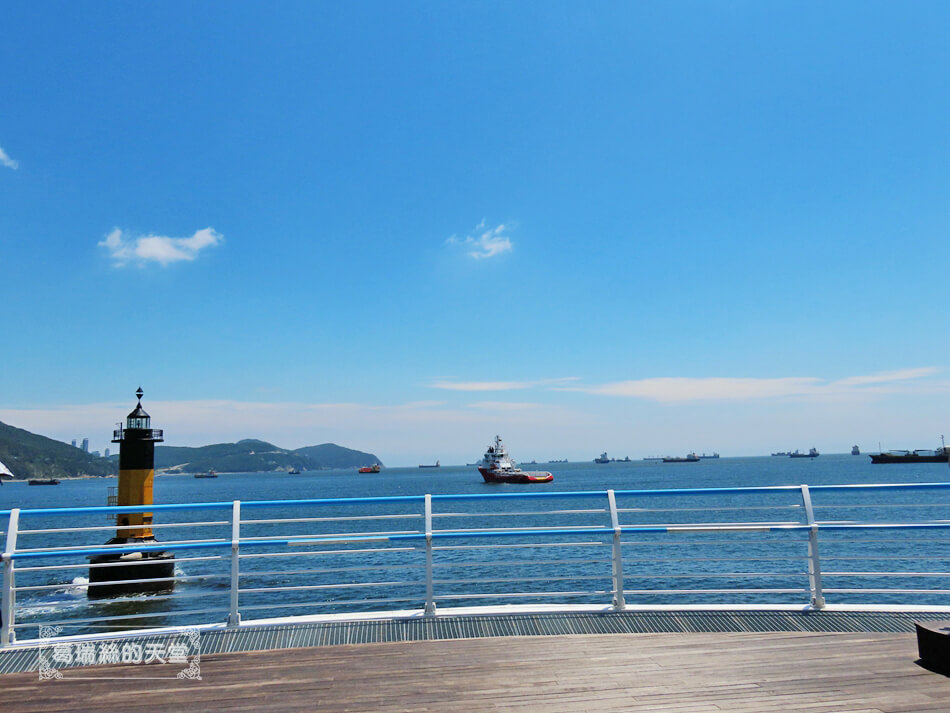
[289,636]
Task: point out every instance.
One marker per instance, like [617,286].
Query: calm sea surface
[658,568]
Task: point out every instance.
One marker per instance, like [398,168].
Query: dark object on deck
[933,644]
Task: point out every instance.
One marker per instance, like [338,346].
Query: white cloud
[485,244]
[449,385]
[685,389]
[124,248]
[496,406]
[7,161]
[888,376]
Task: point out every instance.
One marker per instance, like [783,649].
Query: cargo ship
[689,458]
[938,455]
[497,467]
[812,453]
[370,468]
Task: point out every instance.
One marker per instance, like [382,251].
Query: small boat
[5,473]
[435,465]
[812,453]
[855,451]
[603,458]
[210,474]
[294,471]
[43,481]
[690,458]
[370,468]
[497,467]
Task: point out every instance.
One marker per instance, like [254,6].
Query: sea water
[651,563]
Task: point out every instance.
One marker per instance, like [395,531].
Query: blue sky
[402,227]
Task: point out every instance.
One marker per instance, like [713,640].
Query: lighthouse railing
[242,562]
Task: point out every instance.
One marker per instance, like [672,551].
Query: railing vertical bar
[430,597]
[234,616]
[617,566]
[814,563]
[8,604]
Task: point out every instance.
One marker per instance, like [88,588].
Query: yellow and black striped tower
[136,473]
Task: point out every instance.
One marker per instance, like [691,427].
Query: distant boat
[5,473]
[603,458]
[563,460]
[938,455]
[714,455]
[497,467]
[855,451]
[690,458]
[812,453]
[43,481]
[436,465]
[782,453]
[294,471]
[209,474]
[371,468]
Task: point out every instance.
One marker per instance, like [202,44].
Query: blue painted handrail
[474,496]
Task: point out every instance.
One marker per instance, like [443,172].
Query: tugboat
[370,468]
[812,453]
[497,467]
[603,458]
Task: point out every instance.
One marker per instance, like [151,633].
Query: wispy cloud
[450,385]
[7,161]
[485,242]
[684,389]
[496,406]
[885,377]
[125,249]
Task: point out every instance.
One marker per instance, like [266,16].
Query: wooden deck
[680,673]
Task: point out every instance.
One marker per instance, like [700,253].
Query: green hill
[251,456]
[29,455]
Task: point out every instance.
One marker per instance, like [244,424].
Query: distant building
[85,445]
[107,453]
[96,453]
[74,443]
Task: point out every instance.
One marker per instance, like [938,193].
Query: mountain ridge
[31,455]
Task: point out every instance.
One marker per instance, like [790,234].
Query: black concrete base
[933,643]
[112,581]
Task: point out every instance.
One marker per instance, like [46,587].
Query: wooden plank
[680,673]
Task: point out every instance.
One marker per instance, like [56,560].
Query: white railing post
[814,564]
[430,599]
[8,605]
[619,602]
[234,617]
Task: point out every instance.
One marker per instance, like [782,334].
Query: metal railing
[842,544]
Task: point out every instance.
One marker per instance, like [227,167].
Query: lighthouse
[131,572]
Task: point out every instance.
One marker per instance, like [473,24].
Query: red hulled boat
[497,467]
